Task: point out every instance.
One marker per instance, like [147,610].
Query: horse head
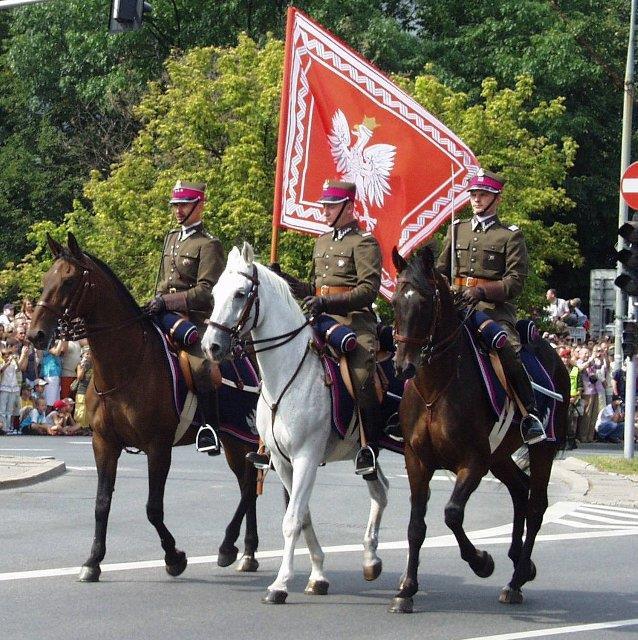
[236,304]
[66,288]
[416,303]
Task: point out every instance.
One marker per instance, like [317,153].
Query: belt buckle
[324,290]
[471,281]
[172,290]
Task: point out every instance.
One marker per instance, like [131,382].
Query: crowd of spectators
[41,391]
[597,389]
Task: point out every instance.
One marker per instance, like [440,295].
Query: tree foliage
[214,118]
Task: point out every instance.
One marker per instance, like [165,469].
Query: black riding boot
[532,430]
[207,438]
[366,460]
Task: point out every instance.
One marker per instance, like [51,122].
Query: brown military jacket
[348,257]
[495,252]
[192,265]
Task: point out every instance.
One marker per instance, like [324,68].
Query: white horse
[293,411]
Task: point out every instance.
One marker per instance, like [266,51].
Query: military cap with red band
[486,181]
[188,192]
[336,191]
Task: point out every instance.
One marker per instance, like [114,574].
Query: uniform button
[472,259]
[472,270]
[323,275]
[475,239]
[326,267]
[473,248]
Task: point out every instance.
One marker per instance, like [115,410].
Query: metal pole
[630,396]
[452,237]
[625,158]
[10,4]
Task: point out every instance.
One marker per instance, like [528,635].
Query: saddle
[186,370]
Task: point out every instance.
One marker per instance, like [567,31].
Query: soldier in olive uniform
[192,261]
[345,277]
[491,268]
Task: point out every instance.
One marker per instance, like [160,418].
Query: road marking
[490,536]
[584,516]
[556,631]
[26,449]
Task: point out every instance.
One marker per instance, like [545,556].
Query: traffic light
[628,280]
[629,331]
[127,15]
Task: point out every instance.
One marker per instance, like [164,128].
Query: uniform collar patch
[341,232]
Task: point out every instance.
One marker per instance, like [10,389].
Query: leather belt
[471,281]
[326,290]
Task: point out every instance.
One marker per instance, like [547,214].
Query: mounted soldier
[491,265]
[344,281]
[192,261]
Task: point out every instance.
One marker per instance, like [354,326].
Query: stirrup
[208,441]
[535,432]
[260,461]
[370,467]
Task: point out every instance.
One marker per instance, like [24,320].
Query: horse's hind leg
[106,458]
[467,480]
[159,463]
[419,476]
[317,582]
[541,457]
[248,561]
[378,489]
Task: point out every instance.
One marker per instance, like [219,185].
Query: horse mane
[121,290]
[279,285]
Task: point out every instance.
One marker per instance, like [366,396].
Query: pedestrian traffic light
[127,15]
[629,335]
[628,280]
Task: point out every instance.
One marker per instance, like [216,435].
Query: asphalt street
[586,587]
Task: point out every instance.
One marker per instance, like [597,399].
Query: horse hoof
[372,571]
[317,587]
[248,564]
[532,571]
[177,568]
[89,574]
[225,559]
[402,605]
[275,597]
[485,567]
[510,596]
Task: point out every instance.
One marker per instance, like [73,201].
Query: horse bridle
[235,332]
[429,349]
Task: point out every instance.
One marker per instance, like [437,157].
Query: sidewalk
[18,471]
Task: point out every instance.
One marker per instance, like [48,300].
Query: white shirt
[557,309]
[189,230]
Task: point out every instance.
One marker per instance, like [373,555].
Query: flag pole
[452,236]
[281,142]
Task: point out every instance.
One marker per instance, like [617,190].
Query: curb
[565,472]
[22,472]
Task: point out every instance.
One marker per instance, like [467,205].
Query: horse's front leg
[159,463]
[248,562]
[541,457]
[299,485]
[378,489]
[419,476]
[467,480]
[106,457]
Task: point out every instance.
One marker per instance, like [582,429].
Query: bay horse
[130,400]
[446,419]
[294,406]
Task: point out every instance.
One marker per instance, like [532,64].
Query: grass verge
[614,464]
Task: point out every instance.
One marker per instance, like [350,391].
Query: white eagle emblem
[369,168]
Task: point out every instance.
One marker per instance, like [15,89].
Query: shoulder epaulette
[458,221]
[365,234]
[178,229]
[513,227]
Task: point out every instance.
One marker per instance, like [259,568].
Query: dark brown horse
[446,419]
[130,400]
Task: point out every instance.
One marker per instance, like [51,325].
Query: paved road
[585,556]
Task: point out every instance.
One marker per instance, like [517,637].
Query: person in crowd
[618,383]
[84,373]
[610,423]
[26,311]
[10,382]
[26,400]
[51,371]
[38,388]
[575,393]
[7,315]
[30,371]
[579,318]
[557,310]
[70,357]
[60,421]
[592,390]
[34,422]
[191,263]
[491,268]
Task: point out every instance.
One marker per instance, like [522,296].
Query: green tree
[215,119]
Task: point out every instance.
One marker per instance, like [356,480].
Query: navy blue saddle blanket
[497,395]
[237,396]
[343,404]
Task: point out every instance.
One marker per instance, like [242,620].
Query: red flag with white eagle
[342,118]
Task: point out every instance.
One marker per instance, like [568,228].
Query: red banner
[342,118]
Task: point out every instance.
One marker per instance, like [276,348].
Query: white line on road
[556,631]
[25,449]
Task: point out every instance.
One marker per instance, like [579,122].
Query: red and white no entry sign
[629,185]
